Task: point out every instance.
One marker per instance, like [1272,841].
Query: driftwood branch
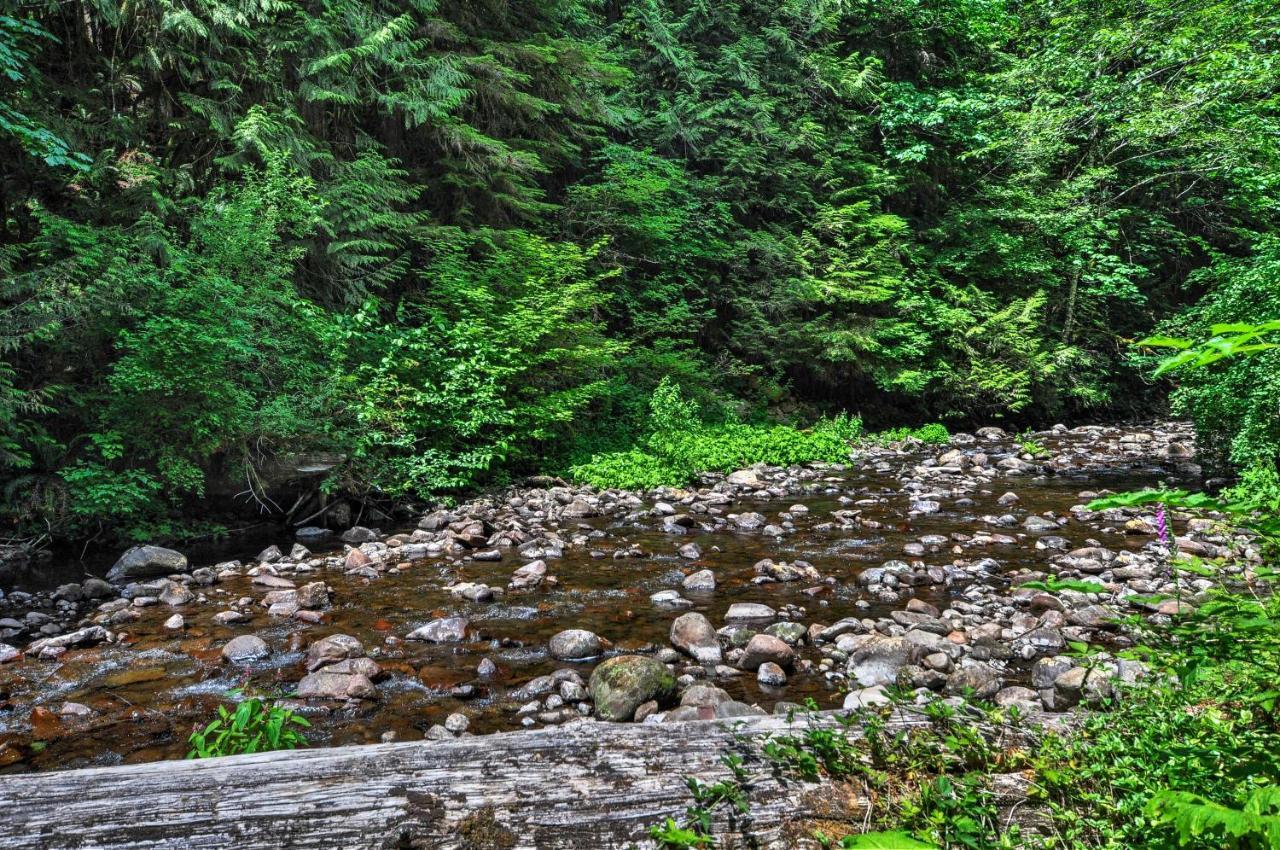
[587,785]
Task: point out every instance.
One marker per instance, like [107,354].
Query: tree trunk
[587,785]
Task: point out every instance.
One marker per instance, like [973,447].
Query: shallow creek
[148,691]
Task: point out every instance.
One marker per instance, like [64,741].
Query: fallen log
[586,785]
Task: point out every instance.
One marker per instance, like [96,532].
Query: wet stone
[245,648]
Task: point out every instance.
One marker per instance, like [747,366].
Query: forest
[453,243]
[882,395]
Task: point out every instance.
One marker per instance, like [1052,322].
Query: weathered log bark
[587,785]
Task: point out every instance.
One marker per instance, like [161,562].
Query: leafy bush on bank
[679,446]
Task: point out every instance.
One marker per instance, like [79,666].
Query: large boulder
[621,685]
[694,635]
[147,562]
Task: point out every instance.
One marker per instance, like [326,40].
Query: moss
[480,830]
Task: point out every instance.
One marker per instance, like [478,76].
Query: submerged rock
[444,630]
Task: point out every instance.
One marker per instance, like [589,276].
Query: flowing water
[147,693]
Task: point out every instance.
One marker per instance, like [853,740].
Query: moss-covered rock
[620,685]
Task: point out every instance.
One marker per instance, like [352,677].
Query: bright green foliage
[1053,584]
[486,232]
[935,433]
[883,841]
[212,353]
[253,726]
[1255,824]
[679,446]
[1236,403]
[495,360]
[18,38]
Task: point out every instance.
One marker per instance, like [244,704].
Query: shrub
[481,372]
[679,446]
[934,433]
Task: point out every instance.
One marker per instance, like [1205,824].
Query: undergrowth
[679,445]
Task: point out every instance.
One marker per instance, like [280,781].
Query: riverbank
[751,593]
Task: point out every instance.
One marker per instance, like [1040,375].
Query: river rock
[472,591]
[620,685]
[782,571]
[749,611]
[359,534]
[703,581]
[1024,699]
[1046,670]
[9,653]
[313,534]
[694,635]
[981,678]
[701,693]
[366,667]
[530,575]
[1037,524]
[244,648]
[765,648]
[147,562]
[580,508]
[669,599]
[1090,685]
[877,660]
[792,634]
[327,684]
[575,645]
[175,594]
[313,595]
[96,588]
[332,649]
[175,623]
[274,582]
[866,698]
[771,675]
[444,630]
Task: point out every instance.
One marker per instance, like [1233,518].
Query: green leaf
[885,841]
